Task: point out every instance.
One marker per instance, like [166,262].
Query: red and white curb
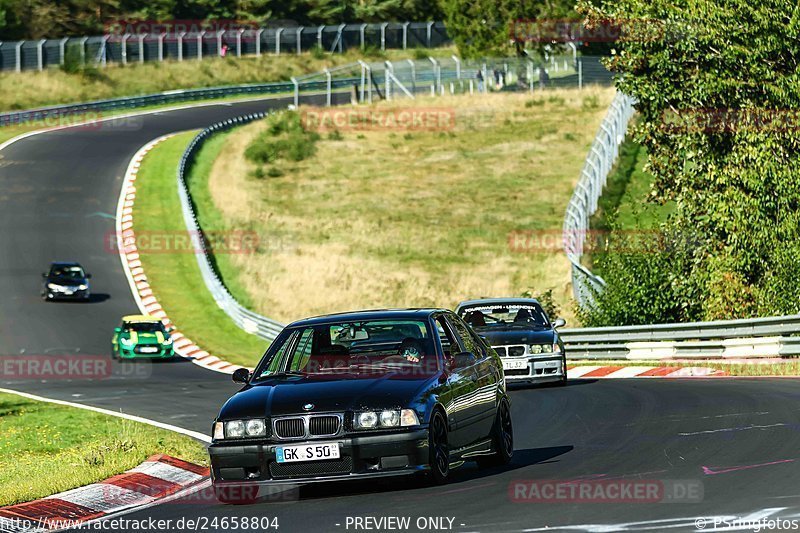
[617,372]
[155,479]
[137,279]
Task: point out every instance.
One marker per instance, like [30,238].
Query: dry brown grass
[394,219]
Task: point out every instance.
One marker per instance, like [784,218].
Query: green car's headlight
[126,342]
[167,342]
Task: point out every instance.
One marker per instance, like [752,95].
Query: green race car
[141,336]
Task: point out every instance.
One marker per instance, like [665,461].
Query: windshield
[352,347]
[513,315]
[146,327]
[71,272]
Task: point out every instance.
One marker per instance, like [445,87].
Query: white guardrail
[748,338]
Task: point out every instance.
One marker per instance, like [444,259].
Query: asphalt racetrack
[695,449]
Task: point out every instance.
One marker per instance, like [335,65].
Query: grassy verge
[755,368]
[38,439]
[394,218]
[26,90]
[175,277]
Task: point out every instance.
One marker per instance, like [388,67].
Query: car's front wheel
[438,449]
[502,438]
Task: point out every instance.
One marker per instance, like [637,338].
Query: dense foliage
[718,91]
[33,19]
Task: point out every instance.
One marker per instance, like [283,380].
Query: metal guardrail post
[437,75]
[428,30]
[161,38]
[413,75]
[239,42]
[181,35]
[40,54]
[362,31]
[405,35]
[141,47]
[18,55]
[278,33]
[104,50]
[123,46]
[580,74]
[62,52]
[387,79]
[296,92]
[383,35]
[328,87]
[299,35]
[458,66]
[219,42]
[339,38]
[259,33]
[200,37]
[319,36]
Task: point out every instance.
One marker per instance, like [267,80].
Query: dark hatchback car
[65,281]
[521,333]
[363,395]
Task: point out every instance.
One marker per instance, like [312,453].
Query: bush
[284,138]
[546,299]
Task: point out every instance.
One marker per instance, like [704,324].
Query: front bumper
[236,465]
[164,352]
[75,295]
[538,369]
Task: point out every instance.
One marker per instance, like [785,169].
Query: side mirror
[241,375]
[462,360]
[117,330]
[88,276]
[170,328]
[559,322]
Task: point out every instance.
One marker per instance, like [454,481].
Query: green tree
[718,89]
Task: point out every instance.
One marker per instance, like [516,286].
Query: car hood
[497,336]
[145,338]
[287,395]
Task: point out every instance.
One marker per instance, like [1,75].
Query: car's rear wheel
[502,438]
[438,448]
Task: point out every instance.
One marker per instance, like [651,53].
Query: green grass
[39,438]
[175,277]
[753,369]
[395,218]
[624,201]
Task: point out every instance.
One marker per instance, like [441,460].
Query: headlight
[167,342]
[255,428]
[388,418]
[239,429]
[408,417]
[126,342]
[82,287]
[366,420]
[541,348]
[53,286]
[234,429]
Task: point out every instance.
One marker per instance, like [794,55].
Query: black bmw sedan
[363,395]
[522,335]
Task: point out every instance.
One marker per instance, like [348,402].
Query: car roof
[497,301]
[140,318]
[370,314]
[65,264]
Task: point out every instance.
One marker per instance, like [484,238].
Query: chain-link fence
[184,46]
[583,204]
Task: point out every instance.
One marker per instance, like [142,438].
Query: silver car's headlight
[82,287]
[240,429]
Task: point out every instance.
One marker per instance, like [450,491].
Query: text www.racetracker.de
[202,523]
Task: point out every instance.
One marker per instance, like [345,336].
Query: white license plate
[307,452]
[148,349]
[515,365]
[548,364]
[69,293]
